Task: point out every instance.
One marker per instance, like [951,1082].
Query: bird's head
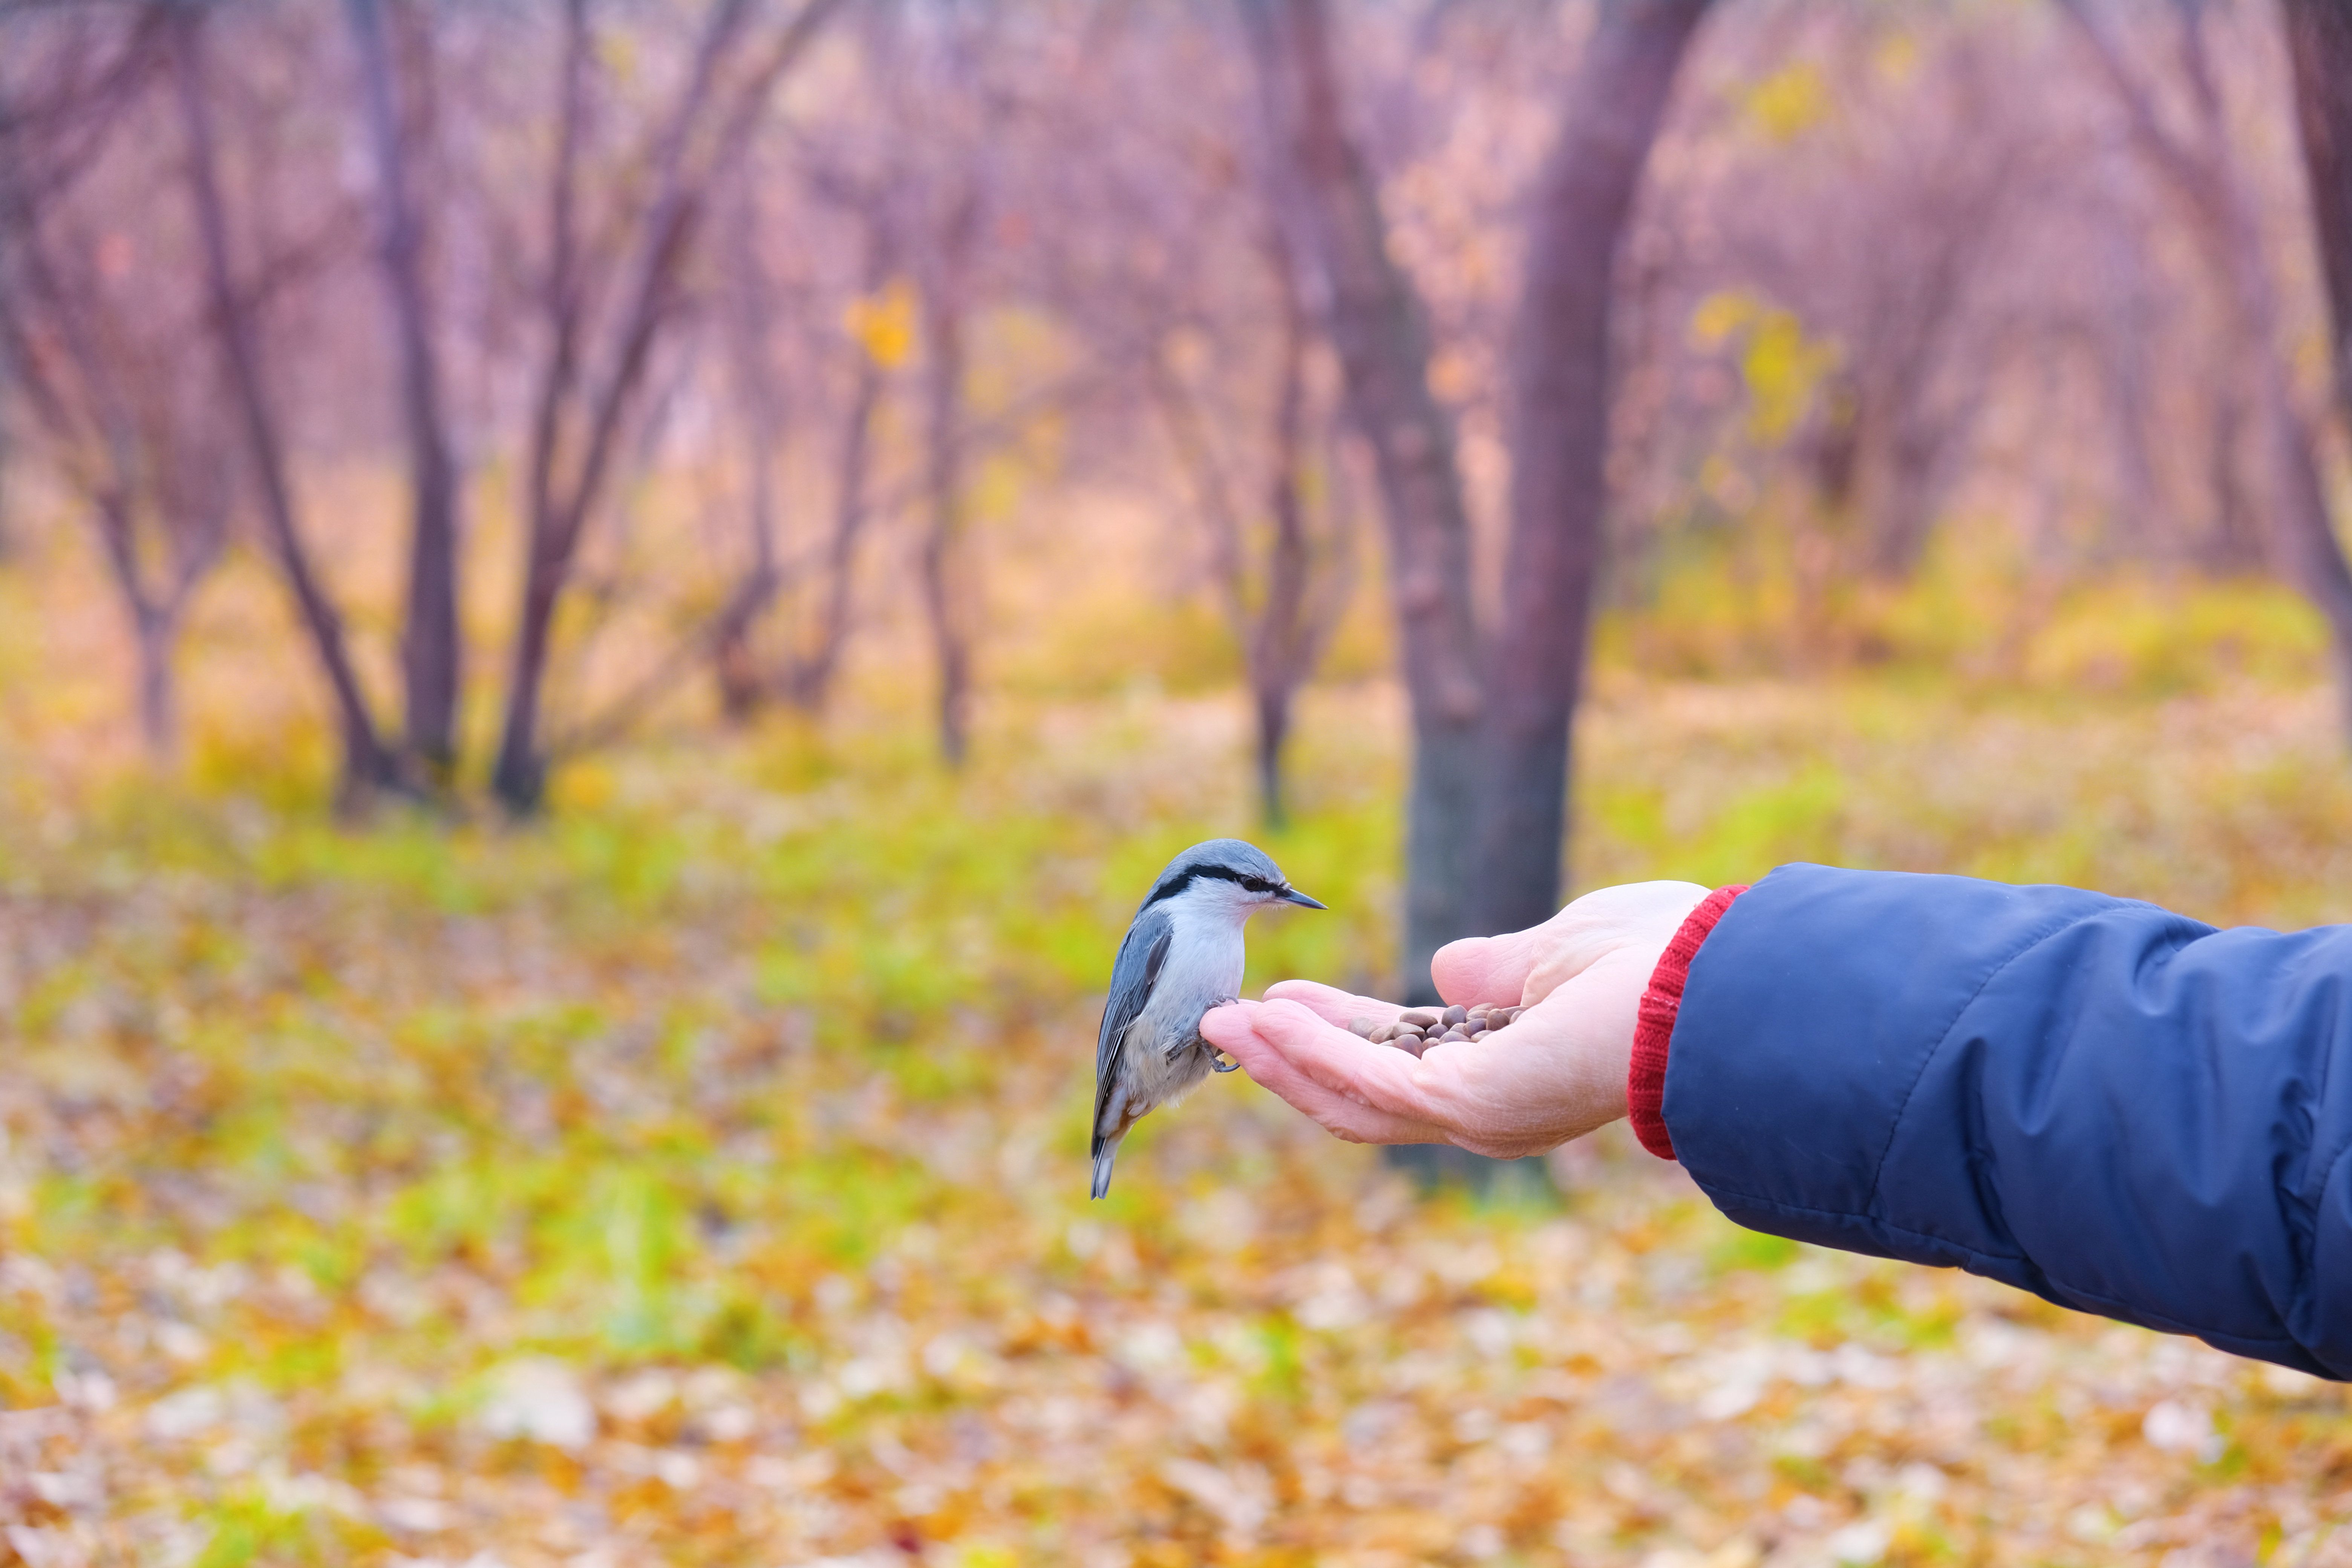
[1226,875]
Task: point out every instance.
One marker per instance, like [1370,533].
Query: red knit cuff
[1645,1080]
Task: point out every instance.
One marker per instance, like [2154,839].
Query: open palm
[1554,1073]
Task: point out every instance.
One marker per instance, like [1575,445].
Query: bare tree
[129,428]
[743,687]
[948,588]
[1561,401]
[2197,168]
[1491,726]
[938,71]
[809,678]
[111,373]
[2319,43]
[1283,597]
[432,647]
[1919,233]
[367,764]
[802,673]
[584,396]
[1377,324]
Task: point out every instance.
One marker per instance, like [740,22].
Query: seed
[1361,1026]
[1420,1019]
[1450,1036]
[1457,1013]
[1480,1034]
[1384,1034]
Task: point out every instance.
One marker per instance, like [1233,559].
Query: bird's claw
[1218,1060]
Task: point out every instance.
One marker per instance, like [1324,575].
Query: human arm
[2116,1108]
[1555,1073]
[2119,1109]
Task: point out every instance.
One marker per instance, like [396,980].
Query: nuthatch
[1182,956]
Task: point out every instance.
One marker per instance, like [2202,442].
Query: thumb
[1485,968]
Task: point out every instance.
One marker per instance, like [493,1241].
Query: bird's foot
[1218,1060]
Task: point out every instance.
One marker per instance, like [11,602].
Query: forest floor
[698,1177]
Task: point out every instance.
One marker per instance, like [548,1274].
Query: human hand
[1554,1072]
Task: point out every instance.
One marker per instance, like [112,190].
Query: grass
[697,1177]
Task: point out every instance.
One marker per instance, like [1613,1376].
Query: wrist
[1645,1073]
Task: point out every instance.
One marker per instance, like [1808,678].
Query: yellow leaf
[619,52]
[1790,101]
[1783,367]
[883,322]
[1897,56]
[1721,315]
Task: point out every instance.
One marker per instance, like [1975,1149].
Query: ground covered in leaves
[699,1178]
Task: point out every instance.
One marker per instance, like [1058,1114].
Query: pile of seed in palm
[1422,1028]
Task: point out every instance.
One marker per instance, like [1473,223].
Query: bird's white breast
[1205,959]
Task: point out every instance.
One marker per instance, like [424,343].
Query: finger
[1485,968]
[1333,1004]
[1554,1073]
[1357,1091]
[1604,921]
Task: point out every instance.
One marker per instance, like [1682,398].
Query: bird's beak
[1293,896]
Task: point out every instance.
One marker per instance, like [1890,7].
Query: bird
[1182,956]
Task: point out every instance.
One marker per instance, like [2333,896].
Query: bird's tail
[1106,1152]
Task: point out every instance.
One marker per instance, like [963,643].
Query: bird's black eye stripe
[1186,877]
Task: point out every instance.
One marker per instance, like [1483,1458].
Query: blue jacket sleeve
[2118,1108]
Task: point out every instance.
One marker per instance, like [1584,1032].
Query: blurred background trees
[863,480]
[584,370]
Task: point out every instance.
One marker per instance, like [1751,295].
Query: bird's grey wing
[1141,956]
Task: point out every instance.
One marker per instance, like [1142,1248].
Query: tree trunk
[702,137]
[2299,531]
[946,593]
[2234,544]
[559,510]
[7,435]
[2312,558]
[812,674]
[367,766]
[1559,439]
[1279,663]
[2319,41]
[518,776]
[431,644]
[2303,532]
[1273,706]
[1375,320]
[743,686]
[159,719]
[153,625]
